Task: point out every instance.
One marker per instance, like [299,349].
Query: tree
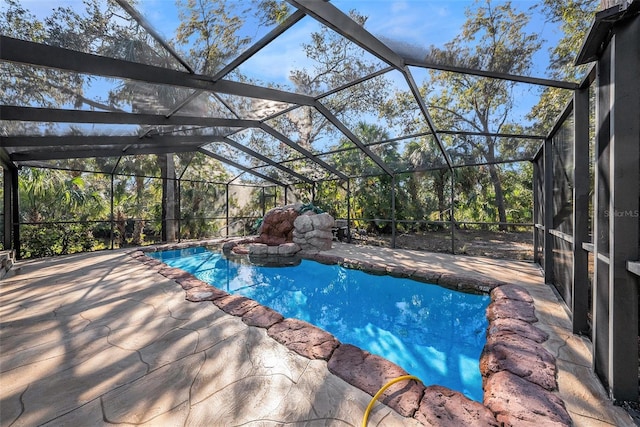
[336,62]
[575,18]
[56,198]
[422,155]
[201,198]
[492,38]
[213,28]
[371,188]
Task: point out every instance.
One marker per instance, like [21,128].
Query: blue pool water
[432,332]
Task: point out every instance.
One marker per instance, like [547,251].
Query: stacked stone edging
[312,232]
[518,373]
[515,393]
[444,407]
[370,373]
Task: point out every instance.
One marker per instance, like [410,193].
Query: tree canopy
[348,85]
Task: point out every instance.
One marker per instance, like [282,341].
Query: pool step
[7,259]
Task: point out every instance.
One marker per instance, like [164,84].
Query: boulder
[322,221]
[302,224]
[277,225]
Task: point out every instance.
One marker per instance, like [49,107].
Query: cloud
[399,6]
[414,22]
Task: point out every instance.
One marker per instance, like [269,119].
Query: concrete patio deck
[97,339]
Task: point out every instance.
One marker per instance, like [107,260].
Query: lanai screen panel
[482,192]
[563,146]
[414,153]
[352,162]
[63,211]
[203,104]
[307,168]
[231,28]
[251,108]
[539,207]
[202,208]
[332,197]
[266,144]
[246,203]
[200,167]
[350,72]
[106,30]
[306,127]
[475,149]
[318,60]
[99,164]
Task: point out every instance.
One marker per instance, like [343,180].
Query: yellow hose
[365,419]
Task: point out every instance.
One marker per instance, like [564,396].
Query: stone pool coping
[519,375]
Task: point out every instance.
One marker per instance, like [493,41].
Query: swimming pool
[434,333]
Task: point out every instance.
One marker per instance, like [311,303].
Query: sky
[416,23]
[399,23]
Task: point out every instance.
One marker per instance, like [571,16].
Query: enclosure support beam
[111,214]
[580,276]
[452,214]
[179,205]
[41,55]
[57,115]
[265,159]
[536,211]
[600,287]
[112,217]
[393,211]
[15,212]
[617,212]
[168,170]
[349,210]
[624,210]
[548,211]
[422,63]
[9,207]
[226,208]
[6,203]
[49,154]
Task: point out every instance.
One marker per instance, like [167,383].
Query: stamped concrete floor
[97,339]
